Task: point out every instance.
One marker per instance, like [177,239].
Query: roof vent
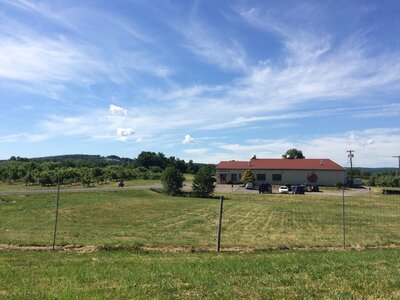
[321,163]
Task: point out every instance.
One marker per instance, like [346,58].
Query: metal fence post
[221,205]
[55,223]
[343,221]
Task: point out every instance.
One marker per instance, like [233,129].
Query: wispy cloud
[373,147]
[23,136]
[39,61]
[46,60]
[196,151]
[204,42]
[160,81]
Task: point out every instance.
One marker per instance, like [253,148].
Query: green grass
[131,218]
[22,186]
[369,274]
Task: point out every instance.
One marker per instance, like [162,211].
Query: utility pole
[351,155]
[398,157]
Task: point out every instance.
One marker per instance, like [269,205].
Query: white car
[283,189]
[249,186]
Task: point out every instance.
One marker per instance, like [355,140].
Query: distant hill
[81,157]
[375,170]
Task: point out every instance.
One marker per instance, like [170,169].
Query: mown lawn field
[368,274]
[132,218]
[137,236]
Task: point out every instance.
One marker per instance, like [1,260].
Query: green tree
[293,153]
[86,177]
[248,176]
[29,178]
[172,180]
[192,168]
[203,183]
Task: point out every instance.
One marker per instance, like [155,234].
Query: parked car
[298,189]
[249,186]
[265,188]
[315,188]
[283,189]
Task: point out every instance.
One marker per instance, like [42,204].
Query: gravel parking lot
[227,188]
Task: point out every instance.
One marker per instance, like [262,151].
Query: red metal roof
[282,164]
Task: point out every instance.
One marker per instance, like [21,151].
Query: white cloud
[124,133]
[117,110]
[188,139]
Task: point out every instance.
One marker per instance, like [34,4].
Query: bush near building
[203,183]
[248,176]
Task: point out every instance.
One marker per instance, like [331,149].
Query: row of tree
[90,169]
[146,159]
[389,179]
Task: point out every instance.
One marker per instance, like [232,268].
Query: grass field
[22,186]
[369,274]
[123,224]
[133,218]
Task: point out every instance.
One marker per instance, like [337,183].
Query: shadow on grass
[183,194]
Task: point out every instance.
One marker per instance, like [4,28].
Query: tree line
[387,179]
[90,169]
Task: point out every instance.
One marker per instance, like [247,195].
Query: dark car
[315,188]
[265,188]
[298,189]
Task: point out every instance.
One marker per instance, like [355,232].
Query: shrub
[203,183]
[248,176]
[172,180]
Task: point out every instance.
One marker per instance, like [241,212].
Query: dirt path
[171,249]
[80,249]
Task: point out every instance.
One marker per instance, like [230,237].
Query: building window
[276,177]
[260,177]
[234,178]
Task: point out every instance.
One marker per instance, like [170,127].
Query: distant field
[22,186]
[133,218]
[369,274]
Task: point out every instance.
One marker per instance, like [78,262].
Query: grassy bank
[122,275]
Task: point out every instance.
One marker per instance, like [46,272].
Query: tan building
[280,171]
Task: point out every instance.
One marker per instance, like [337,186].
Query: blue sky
[201,80]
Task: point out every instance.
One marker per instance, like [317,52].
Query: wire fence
[143,219]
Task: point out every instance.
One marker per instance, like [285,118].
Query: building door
[233,178]
[222,178]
